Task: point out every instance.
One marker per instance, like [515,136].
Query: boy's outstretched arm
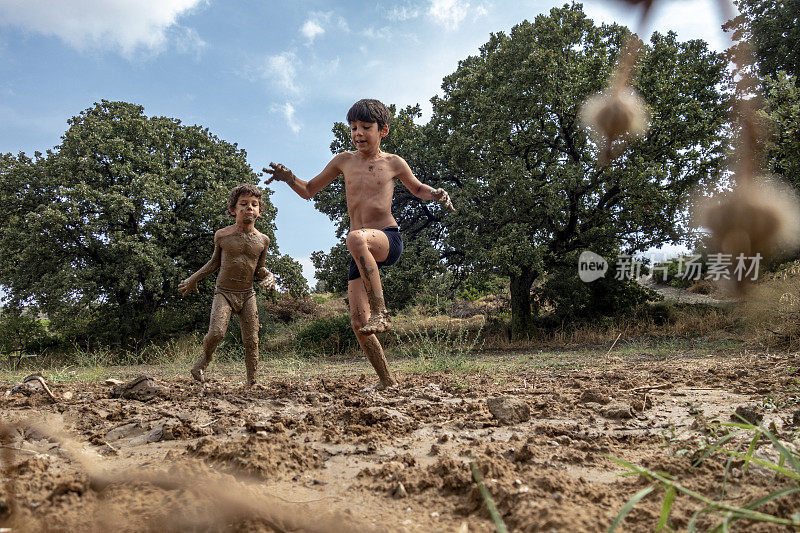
[306,189]
[190,284]
[419,189]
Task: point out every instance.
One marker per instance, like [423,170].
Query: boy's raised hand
[268,283]
[279,172]
[441,196]
[186,286]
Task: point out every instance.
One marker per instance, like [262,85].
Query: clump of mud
[261,457]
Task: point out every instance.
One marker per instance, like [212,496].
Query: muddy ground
[316,454]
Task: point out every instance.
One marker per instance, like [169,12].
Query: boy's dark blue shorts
[395,249]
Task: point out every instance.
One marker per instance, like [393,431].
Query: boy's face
[366,135]
[247,209]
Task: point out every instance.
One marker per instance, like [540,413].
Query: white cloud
[125,25]
[288,112]
[402,13]
[318,22]
[311,29]
[188,41]
[449,13]
[281,68]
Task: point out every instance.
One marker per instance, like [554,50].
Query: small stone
[595,395]
[618,411]
[434,449]
[142,388]
[399,492]
[749,414]
[156,434]
[508,410]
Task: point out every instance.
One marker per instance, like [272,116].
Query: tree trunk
[521,317]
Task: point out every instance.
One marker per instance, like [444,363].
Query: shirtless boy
[239,254]
[374,239]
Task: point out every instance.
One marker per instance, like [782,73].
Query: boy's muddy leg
[248,321]
[368,246]
[218,324]
[359,312]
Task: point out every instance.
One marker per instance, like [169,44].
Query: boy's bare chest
[242,246]
[374,177]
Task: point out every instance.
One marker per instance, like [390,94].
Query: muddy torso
[369,186]
[239,258]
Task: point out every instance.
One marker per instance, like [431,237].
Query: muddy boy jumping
[374,239]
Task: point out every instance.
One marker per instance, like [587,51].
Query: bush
[327,336]
[19,330]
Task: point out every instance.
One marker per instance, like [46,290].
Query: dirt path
[330,458]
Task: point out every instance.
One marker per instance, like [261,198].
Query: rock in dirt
[508,410]
[595,395]
[750,414]
[618,411]
[133,429]
[384,414]
[399,492]
[142,388]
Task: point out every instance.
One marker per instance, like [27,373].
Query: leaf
[628,506]
[666,507]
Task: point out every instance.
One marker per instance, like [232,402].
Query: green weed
[447,348]
[726,512]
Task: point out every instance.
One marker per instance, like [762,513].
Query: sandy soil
[318,455]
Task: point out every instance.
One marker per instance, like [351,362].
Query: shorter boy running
[239,254]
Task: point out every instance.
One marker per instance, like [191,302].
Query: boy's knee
[214,335]
[357,322]
[355,240]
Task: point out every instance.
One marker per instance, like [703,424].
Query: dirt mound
[261,457]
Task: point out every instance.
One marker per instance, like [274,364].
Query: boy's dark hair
[249,189]
[369,110]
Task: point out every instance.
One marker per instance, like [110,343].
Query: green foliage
[475,286]
[327,336]
[675,272]
[289,275]
[526,181]
[20,330]
[331,268]
[773,31]
[572,300]
[783,116]
[98,232]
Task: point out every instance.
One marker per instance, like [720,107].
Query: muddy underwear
[395,249]
[236,299]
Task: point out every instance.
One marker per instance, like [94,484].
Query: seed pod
[615,115]
[757,217]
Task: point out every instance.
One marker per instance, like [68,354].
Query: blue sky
[270,76]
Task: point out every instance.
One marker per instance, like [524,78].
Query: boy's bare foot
[197,374]
[377,323]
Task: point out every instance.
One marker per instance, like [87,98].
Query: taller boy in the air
[374,239]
